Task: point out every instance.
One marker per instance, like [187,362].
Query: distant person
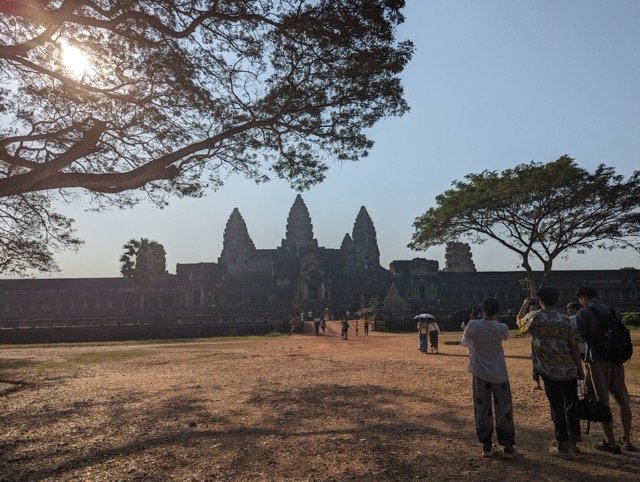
[366,327]
[490,380]
[434,331]
[556,359]
[606,376]
[323,326]
[316,325]
[423,332]
[326,315]
[344,332]
[356,326]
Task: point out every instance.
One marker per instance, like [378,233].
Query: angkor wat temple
[254,284]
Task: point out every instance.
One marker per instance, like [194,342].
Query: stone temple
[297,275]
[300,275]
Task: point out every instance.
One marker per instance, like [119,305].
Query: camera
[533,302]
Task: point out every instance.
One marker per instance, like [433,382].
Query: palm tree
[143,262]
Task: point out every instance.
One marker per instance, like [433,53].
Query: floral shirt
[552,336]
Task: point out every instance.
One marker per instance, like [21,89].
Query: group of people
[320,323]
[565,352]
[428,328]
[344,332]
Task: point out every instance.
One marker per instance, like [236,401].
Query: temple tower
[458,258]
[365,244]
[237,245]
[299,234]
[347,243]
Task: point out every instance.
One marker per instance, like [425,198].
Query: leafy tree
[30,233]
[178,95]
[144,262]
[539,211]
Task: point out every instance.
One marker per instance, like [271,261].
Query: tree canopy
[179,94]
[133,99]
[30,233]
[539,211]
[143,261]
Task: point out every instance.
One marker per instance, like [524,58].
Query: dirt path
[290,408]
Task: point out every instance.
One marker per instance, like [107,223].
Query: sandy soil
[289,408]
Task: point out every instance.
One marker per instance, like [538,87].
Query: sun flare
[74,60]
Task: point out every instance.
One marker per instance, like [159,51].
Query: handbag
[587,408]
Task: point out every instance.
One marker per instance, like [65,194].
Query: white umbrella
[424,316]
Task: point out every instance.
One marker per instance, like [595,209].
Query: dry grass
[293,408]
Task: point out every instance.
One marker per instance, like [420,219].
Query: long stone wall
[120,329]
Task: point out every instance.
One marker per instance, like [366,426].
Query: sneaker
[489,450]
[604,446]
[510,452]
[560,452]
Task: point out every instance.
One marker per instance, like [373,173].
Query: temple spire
[299,228]
[237,245]
[365,243]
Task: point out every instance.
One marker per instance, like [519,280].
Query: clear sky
[492,84]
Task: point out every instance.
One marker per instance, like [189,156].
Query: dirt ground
[287,408]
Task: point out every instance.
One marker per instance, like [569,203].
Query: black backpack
[615,341]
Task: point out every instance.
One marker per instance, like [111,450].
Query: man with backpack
[608,346]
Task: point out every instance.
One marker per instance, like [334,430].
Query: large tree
[177,95]
[144,262]
[30,234]
[180,93]
[539,211]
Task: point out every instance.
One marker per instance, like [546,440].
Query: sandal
[605,447]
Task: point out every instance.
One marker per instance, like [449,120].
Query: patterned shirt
[552,336]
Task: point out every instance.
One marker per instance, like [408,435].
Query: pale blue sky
[492,84]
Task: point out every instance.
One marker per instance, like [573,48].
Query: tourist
[366,326]
[316,325]
[356,326]
[326,316]
[490,380]
[323,326]
[422,334]
[434,330]
[344,332]
[556,359]
[605,375]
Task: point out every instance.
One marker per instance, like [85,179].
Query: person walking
[366,327]
[422,334]
[344,332]
[606,376]
[490,381]
[355,327]
[316,325]
[556,359]
[434,331]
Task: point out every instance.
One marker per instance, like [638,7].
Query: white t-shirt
[484,339]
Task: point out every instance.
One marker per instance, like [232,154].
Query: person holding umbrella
[424,320]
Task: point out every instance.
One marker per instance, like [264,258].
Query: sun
[74,59]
